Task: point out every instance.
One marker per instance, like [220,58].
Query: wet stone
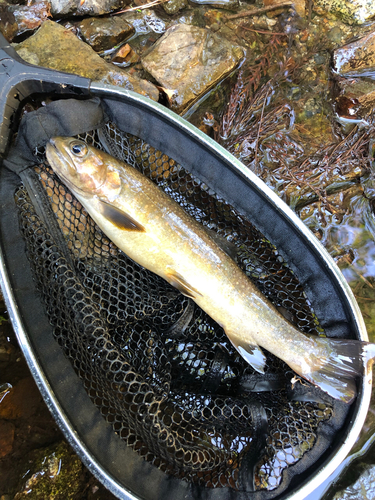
[22,400]
[188,61]
[105,33]
[145,22]
[362,489]
[6,438]
[53,46]
[173,6]
[350,11]
[298,5]
[355,98]
[16,20]
[356,58]
[86,7]
[125,55]
[52,472]
[219,4]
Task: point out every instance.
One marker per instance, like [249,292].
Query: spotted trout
[154,231]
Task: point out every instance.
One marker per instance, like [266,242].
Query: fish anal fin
[118,217]
[182,285]
[250,352]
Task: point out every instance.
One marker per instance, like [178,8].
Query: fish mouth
[58,162]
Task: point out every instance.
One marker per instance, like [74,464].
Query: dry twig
[256,12]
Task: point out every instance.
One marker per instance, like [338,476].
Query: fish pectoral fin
[182,285]
[250,352]
[118,217]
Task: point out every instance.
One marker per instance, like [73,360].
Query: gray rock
[350,11]
[87,8]
[173,6]
[146,21]
[188,61]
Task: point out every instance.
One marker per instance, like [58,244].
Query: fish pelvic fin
[250,352]
[337,373]
[118,217]
[182,285]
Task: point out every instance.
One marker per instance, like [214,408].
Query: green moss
[50,473]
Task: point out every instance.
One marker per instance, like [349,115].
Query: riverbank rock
[86,7]
[188,61]
[104,33]
[55,472]
[16,20]
[356,58]
[350,11]
[53,46]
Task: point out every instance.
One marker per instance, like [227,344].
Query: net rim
[364,395]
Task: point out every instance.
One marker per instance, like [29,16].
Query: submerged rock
[53,46]
[350,11]
[356,58]
[85,7]
[16,20]
[298,5]
[362,489]
[173,6]
[53,472]
[188,61]
[22,400]
[355,98]
[105,33]
[6,437]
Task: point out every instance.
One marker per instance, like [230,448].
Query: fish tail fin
[338,372]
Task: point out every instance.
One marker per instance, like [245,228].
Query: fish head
[83,169]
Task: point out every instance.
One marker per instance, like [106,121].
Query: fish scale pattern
[160,370]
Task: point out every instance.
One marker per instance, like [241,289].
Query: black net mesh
[159,369]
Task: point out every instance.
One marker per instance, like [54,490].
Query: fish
[156,232]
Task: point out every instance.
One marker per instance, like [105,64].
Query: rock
[18,19]
[350,11]
[362,489]
[85,7]
[21,401]
[53,472]
[52,46]
[355,98]
[125,55]
[173,6]
[105,33]
[188,61]
[298,5]
[6,438]
[356,58]
[146,21]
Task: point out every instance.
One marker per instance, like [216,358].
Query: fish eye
[79,149]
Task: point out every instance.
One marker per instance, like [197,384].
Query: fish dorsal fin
[182,285]
[118,217]
[251,353]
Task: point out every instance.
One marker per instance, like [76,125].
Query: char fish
[156,232]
